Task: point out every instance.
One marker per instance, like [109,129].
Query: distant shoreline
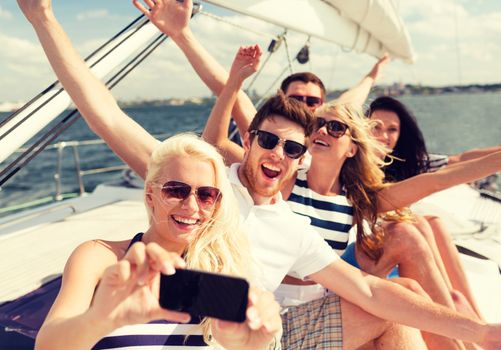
[395,89]
[392,90]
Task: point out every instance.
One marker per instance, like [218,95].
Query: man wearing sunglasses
[266,160]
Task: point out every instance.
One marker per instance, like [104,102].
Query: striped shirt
[331,216]
[435,162]
[155,335]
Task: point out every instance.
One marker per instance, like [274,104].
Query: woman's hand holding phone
[261,330]
[243,318]
[128,290]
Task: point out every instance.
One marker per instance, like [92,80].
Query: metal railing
[79,172]
[74,145]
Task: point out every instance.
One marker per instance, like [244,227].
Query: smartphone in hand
[205,294]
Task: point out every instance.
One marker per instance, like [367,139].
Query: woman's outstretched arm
[404,193]
[245,64]
[172,18]
[93,99]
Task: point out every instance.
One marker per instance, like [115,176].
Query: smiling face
[266,171]
[176,222]
[329,149]
[387,129]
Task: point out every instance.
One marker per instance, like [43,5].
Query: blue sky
[24,70]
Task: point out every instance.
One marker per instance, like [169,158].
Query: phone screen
[205,294]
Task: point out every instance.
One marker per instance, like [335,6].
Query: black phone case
[205,294]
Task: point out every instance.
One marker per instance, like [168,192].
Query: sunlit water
[451,124]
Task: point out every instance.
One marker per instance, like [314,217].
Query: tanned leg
[362,330]
[452,262]
[405,246]
[426,230]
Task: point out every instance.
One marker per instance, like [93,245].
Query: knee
[406,239]
[411,285]
[438,228]
[424,227]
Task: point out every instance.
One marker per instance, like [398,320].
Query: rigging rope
[44,140]
[221,19]
[289,61]
[272,48]
[264,96]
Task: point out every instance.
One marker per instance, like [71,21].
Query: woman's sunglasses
[311,101]
[267,140]
[335,128]
[206,196]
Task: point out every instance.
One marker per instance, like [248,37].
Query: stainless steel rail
[80,174]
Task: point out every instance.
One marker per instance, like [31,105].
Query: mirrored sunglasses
[311,101]
[268,140]
[335,128]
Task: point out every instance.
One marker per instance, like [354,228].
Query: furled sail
[370,26]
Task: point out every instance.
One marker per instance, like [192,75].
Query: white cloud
[99,14]
[4,14]
[94,14]
[20,51]
[23,68]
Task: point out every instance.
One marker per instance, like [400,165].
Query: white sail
[370,26]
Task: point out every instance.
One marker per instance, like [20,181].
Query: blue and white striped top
[331,216]
[436,162]
[155,335]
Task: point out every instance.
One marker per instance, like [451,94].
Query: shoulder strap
[136,238]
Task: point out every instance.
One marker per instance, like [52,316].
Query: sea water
[451,124]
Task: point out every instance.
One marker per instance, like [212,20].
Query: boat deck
[35,255]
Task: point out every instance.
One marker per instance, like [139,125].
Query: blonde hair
[220,246]
[361,174]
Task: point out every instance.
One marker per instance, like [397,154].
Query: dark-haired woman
[397,128]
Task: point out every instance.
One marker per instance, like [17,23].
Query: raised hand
[170,16]
[262,326]
[246,62]
[33,8]
[128,291]
[376,70]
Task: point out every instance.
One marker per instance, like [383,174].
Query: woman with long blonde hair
[109,292]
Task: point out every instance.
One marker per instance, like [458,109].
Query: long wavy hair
[410,156]
[361,175]
[220,245]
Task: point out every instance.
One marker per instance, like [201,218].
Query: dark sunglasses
[267,140]
[207,196]
[335,128]
[311,101]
